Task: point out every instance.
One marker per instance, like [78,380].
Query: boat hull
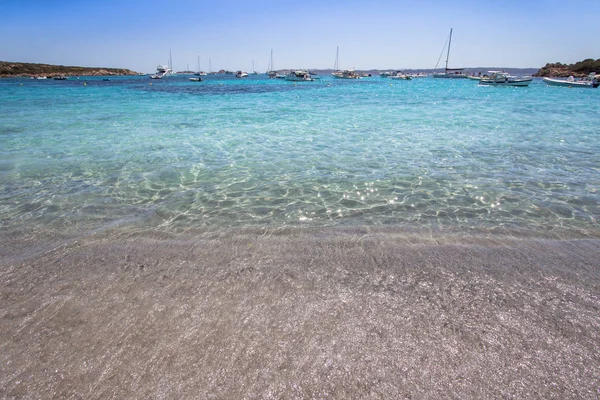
[515,82]
[450,76]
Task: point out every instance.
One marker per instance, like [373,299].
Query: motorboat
[198,79]
[386,74]
[591,82]
[501,78]
[161,72]
[401,76]
[241,74]
[298,75]
[346,74]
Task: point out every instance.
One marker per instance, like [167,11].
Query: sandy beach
[291,314]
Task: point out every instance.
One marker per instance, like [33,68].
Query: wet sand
[294,314]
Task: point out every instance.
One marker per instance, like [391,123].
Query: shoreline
[337,313]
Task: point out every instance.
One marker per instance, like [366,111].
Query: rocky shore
[578,70]
[18,69]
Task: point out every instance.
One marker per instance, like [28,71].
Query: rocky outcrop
[16,69]
[578,70]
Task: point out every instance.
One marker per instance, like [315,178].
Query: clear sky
[376,34]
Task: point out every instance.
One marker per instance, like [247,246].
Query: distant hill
[14,69]
[578,70]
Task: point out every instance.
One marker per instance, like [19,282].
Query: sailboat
[345,74]
[271,73]
[450,72]
[198,72]
[171,64]
[210,71]
[253,70]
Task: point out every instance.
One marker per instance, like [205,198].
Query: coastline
[337,313]
[23,70]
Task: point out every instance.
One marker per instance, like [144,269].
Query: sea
[265,239]
[87,154]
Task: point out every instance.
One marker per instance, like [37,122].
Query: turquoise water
[176,155]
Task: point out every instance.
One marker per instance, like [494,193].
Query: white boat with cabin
[241,74]
[299,75]
[401,76]
[346,74]
[161,72]
[501,78]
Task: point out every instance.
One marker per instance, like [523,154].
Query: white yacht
[299,75]
[241,74]
[501,78]
[161,72]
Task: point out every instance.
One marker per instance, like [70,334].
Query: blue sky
[303,34]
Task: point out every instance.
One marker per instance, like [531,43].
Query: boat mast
[170,61]
[337,55]
[449,43]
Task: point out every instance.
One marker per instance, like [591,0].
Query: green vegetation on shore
[15,69]
[579,69]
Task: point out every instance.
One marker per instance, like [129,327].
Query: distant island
[578,70]
[16,69]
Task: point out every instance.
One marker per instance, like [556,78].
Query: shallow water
[177,155]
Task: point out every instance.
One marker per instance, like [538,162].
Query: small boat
[501,78]
[346,74]
[241,74]
[60,78]
[161,72]
[591,82]
[401,76]
[198,79]
[299,75]
[452,73]
[386,74]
